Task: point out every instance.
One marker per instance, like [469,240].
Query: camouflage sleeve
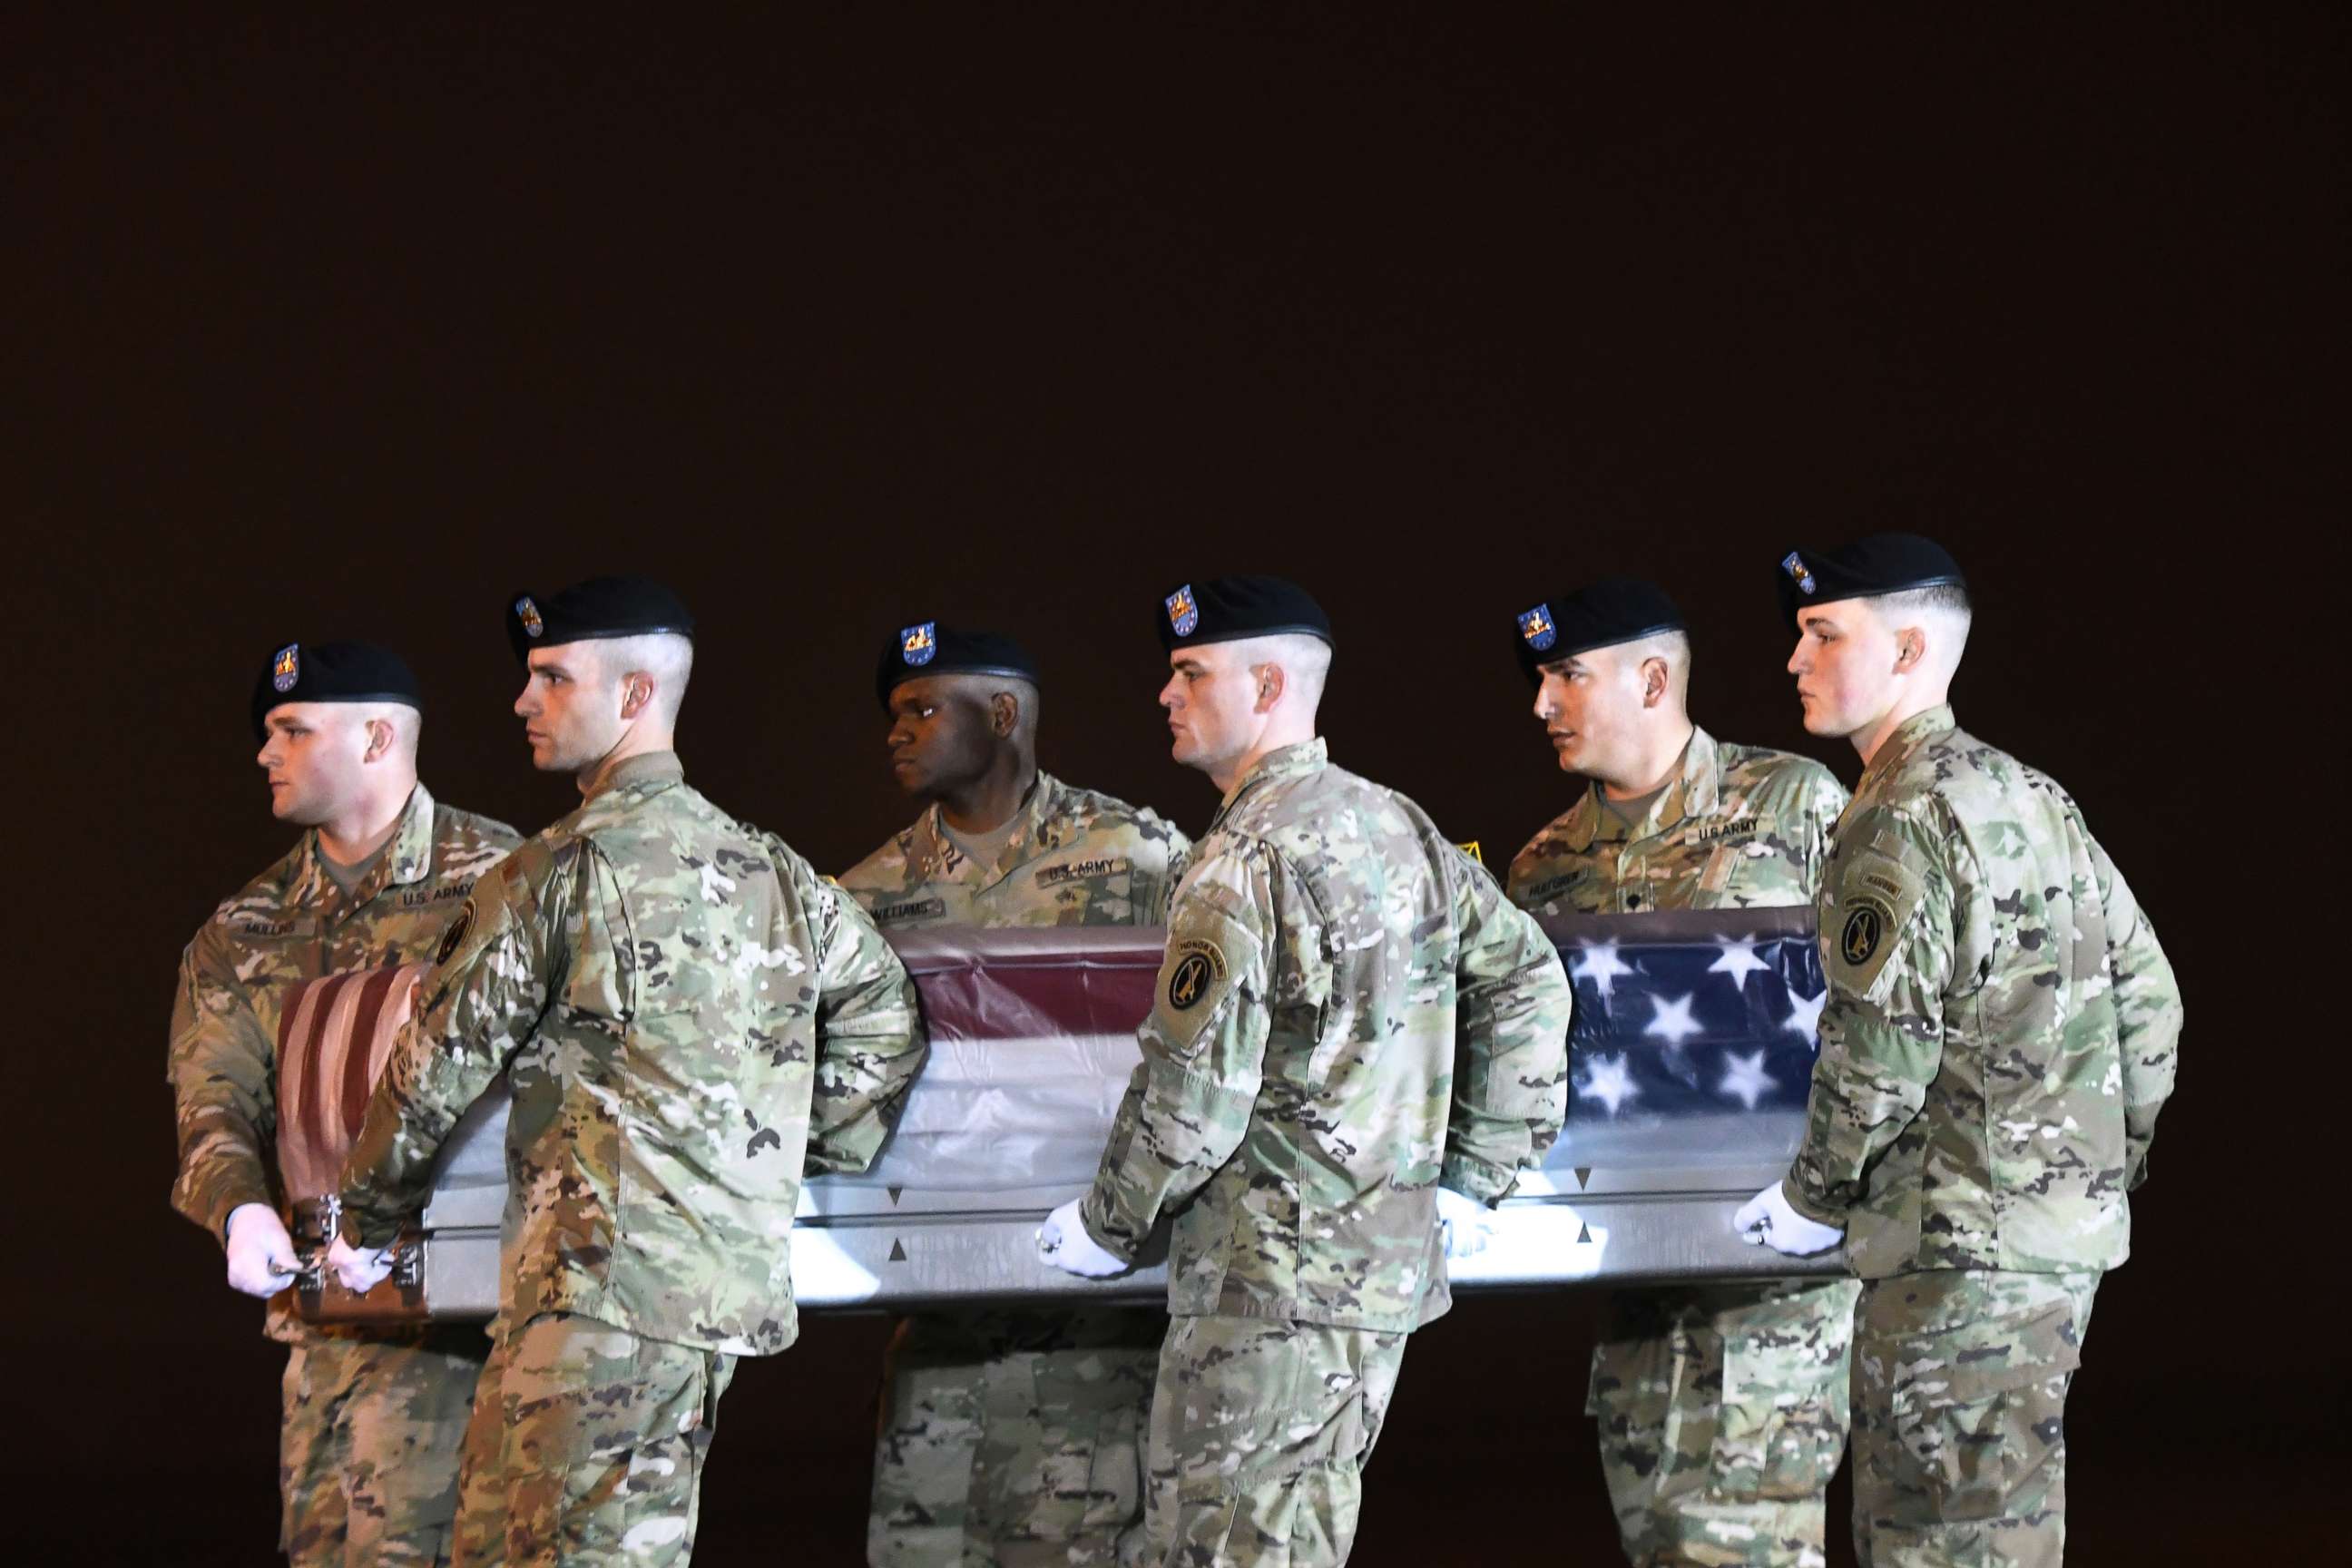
[499,965]
[1888,925]
[1189,1102]
[1510,1051]
[869,1032]
[1179,852]
[224,1087]
[2148,1013]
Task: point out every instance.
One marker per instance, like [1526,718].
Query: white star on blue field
[1599,962]
[1738,961]
[1655,1036]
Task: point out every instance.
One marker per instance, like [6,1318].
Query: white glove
[360,1268]
[1466,1224]
[1063,1242]
[1767,1220]
[261,1260]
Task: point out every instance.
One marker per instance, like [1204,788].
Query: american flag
[332,1041]
[1684,1014]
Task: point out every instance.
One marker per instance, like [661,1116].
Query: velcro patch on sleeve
[1874,896]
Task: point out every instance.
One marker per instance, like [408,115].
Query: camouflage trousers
[587,1446]
[1013,1439]
[1959,1443]
[1722,1416]
[367,1451]
[1260,1428]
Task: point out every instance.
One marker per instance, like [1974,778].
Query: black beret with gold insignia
[332,672]
[1227,609]
[929,648]
[1598,614]
[599,607]
[1881,564]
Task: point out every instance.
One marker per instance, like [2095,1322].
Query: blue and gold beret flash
[332,672]
[1598,614]
[1227,609]
[928,648]
[1881,564]
[599,607]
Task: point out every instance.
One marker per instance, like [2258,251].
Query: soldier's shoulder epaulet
[265,890]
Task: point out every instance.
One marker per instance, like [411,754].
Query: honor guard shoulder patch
[1183,614]
[528,613]
[1794,566]
[287,667]
[1199,965]
[919,645]
[1874,896]
[1538,627]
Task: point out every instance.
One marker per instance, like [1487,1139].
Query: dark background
[346,326]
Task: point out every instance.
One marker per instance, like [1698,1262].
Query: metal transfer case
[1689,1059]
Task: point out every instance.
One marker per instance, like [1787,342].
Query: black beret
[1227,609]
[599,607]
[1598,614]
[926,648]
[1881,563]
[332,672]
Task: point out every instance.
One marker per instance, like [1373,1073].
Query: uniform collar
[1693,791]
[407,857]
[1909,736]
[645,771]
[937,858]
[1282,762]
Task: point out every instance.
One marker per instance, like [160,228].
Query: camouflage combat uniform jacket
[1350,1014]
[1075,859]
[689,1017]
[289,924]
[2002,1026]
[1738,827]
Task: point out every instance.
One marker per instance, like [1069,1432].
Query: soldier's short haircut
[1675,647]
[1306,661]
[1942,608]
[665,656]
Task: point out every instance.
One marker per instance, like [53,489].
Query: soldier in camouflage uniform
[689,1018]
[1721,1408]
[368,1448]
[1351,1021]
[1012,1438]
[2000,1031]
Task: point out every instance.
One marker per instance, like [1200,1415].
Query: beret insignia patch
[1183,613]
[1794,566]
[919,645]
[287,667]
[1538,627]
[528,613]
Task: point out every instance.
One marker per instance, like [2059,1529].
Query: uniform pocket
[1781,1421]
[1978,1412]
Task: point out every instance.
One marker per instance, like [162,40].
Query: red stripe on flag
[358,1078]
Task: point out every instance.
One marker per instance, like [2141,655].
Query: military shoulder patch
[1470,847]
[1874,895]
[1199,965]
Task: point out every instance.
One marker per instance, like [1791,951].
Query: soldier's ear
[1653,681]
[381,737]
[1004,714]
